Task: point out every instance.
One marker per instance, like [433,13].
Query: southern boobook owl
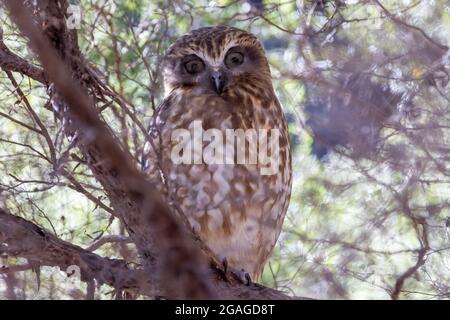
[219,77]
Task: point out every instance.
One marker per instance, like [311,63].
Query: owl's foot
[241,275]
[225,265]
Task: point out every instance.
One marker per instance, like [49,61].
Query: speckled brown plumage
[236,210]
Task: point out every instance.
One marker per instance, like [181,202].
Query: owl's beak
[218,81]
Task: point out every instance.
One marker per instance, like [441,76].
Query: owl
[210,142]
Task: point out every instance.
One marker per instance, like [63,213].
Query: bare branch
[108,239]
[21,238]
[12,62]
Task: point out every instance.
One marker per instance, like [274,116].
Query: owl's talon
[223,271]
[248,278]
[225,265]
[242,275]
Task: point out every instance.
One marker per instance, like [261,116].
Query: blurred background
[364,85]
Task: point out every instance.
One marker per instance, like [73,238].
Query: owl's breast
[235,206]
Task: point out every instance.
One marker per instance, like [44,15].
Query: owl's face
[216,60]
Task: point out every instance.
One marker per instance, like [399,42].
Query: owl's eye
[234,59]
[194,66]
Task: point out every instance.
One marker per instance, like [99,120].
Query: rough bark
[21,238]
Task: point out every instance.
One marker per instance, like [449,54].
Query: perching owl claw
[220,141]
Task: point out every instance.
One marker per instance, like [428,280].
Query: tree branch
[108,239]
[412,27]
[21,238]
[12,62]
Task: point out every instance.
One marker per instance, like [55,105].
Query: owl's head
[217,60]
